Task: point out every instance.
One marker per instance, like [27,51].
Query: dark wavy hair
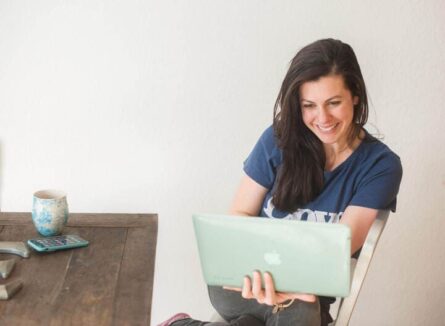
[300,176]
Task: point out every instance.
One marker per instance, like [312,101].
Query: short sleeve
[379,187]
[262,162]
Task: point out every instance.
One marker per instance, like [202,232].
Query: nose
[323,115]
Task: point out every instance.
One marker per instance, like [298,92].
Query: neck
[336,154]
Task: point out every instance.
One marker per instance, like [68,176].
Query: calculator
[59,242]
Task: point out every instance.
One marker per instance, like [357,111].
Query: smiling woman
[316,163]
[320,74]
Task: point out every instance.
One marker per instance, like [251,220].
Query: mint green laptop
[304,257]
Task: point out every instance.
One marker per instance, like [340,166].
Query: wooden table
[109,282]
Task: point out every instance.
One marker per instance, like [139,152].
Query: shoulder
[262,163]
[378,172]
[375,159]
[268,143]
[268,137]
[377,153]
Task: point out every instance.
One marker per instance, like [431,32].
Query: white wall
[144,106]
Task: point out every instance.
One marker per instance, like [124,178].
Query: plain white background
[152,106]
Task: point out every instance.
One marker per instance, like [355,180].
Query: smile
[328,128]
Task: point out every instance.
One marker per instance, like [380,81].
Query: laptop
[304,257]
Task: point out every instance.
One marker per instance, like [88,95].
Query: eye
[334,103]
[308,106]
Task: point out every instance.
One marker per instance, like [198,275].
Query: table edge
[88,219]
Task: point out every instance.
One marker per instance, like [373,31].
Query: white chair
[346,306]
[359,269]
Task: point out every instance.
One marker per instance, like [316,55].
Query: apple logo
[272,258]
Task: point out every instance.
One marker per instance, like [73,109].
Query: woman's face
[328,109]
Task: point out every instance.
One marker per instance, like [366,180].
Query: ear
[356,100]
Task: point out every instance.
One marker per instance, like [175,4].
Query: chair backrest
[347,304]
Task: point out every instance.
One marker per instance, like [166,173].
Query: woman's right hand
[268,295]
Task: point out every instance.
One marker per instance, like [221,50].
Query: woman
[315,163]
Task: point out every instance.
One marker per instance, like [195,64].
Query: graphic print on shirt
[302,214]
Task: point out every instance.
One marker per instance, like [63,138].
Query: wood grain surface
[109,282]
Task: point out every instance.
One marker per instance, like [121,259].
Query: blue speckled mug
[49,212]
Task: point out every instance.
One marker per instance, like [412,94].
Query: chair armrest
[361,269]
[216,318]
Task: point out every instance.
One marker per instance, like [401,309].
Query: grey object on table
[15,248]
[6,266]
[8,290]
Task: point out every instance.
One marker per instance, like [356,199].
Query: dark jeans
[243,312]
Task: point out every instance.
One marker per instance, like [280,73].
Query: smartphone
[59,242]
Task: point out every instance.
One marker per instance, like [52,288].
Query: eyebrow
[329,99]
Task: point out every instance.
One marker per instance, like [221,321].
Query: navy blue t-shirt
[369,177]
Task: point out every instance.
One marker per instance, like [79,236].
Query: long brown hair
[300,176]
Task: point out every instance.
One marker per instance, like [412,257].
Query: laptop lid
[304,257]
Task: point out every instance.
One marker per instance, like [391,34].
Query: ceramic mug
[49,211]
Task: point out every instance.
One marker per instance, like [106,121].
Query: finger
[232,288]
[309,298]
[269,289]
[304,297]
[246,291]
[257,286]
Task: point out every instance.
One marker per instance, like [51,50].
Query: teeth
[326,128]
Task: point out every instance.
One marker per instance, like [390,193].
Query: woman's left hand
[268,295]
